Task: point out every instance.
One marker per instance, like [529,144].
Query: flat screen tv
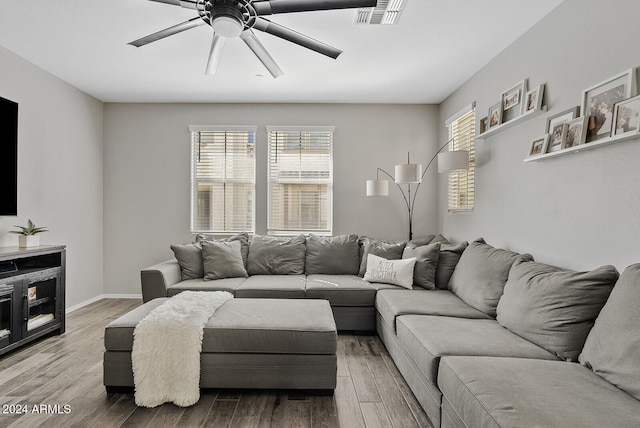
[8,157]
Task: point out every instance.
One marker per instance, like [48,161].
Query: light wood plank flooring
[67,371]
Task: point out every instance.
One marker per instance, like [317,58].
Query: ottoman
[247,343]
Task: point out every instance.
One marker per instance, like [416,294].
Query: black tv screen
[8,157]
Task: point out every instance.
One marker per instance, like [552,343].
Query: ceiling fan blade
[268,7]
[295,37]
[217,46]
[254,44]
[194,22]
[188,4]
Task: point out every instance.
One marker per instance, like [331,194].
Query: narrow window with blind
[222,179]
[461,188]
[300,180]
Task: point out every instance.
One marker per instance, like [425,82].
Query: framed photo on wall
[576,132]
[598,102]
[626,116]
[533,99]
[539,145]
[482,128]
[495,115]
[555,128]
[513,101]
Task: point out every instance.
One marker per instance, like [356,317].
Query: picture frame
[555,129]
[598,102]
[495,115]
[513,101]
[539,145]
[32,293]
[533,99]
[626,117]
[575,133]
[482,127]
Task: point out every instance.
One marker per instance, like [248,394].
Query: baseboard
[100,297]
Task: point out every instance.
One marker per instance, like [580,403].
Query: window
[222,179]
[300,180]
[462,131]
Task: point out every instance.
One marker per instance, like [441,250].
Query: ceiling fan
[238,18]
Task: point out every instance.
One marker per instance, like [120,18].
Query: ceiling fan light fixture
[227,26]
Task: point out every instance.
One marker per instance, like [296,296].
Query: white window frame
[197,129]
[461,131]
[271,229]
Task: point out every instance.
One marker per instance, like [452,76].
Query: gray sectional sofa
[483,336]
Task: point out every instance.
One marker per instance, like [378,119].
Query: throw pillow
[396,272]
[336,255]
[447,261]
[222,259]
[242,237]
[189,258]
[424,272]
[481,273]
[270,255]
[389,250]
[612,348]
[421,240]
[554,308]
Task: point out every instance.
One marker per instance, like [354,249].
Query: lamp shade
[377,187]
[457,160]
[408,173]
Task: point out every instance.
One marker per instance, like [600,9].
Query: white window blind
[222,179]
[461,189]
[300,180]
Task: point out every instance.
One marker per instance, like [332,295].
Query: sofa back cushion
[222,259]
[612,349]
[389,250]
[447,261]
[270,255]
[554,308]
[424,271]
[189,258]
[481,273]
[334,255]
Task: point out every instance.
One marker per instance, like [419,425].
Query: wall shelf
[587,146]
[504,126]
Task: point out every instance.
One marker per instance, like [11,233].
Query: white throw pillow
[396,272]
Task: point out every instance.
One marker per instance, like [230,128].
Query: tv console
[32,294]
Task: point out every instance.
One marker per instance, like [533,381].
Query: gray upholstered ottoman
[248,343]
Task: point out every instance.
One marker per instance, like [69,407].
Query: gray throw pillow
[242,237]
[481,273]
[189,258]
[421,240]
[554,308]
[389,250]
[335,255]
[447,261]
[612,349]
[222,259]
[424,271]
[269,255]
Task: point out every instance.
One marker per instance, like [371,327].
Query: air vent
[386,12]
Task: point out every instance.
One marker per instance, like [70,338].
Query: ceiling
[434,48]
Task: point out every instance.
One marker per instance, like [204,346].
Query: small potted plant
[29,235]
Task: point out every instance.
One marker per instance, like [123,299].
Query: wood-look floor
[66,371]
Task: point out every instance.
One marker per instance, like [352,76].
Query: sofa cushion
[494,392]
[335,255]
[341,290]
[447,260]
[222,260]
[481,274]
[242,238]
[269,255]
[189,258]
[427,338]
[398,272]
[391,304]
[389,250]
[273,287]
[199,284]
[612,348]
[554,308]
[424,272]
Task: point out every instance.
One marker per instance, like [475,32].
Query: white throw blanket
[166,348]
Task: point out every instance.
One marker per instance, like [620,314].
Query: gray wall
[578,211]
[146,181]
[59,169]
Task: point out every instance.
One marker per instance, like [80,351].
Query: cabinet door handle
[25,307]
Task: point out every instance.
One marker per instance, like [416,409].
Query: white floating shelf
[587,146]
[504,126]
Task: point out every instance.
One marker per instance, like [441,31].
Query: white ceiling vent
[386,12]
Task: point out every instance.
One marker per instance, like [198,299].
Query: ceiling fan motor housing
[225,16]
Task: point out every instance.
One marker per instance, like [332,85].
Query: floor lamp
[412,173]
